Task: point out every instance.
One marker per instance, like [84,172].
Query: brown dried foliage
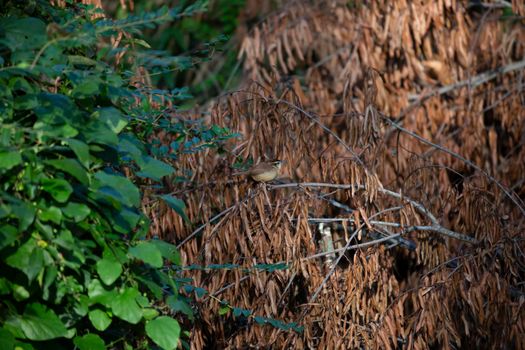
[327,121]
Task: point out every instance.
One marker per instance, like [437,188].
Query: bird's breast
[265,176]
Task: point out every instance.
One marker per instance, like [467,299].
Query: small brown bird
[264,171]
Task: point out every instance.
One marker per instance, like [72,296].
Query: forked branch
[436,227]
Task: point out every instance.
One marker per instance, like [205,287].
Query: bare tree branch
[471,82]
[419,207]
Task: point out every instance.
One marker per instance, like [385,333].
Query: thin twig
[352,247]
[419,207]
[203,226]
[458,156]
[380,240]
[214,294]
[472,82]
[222,213]
[325,128]
[380,223]
[286,288]
[401,241]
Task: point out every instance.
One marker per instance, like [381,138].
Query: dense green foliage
[201,36]
[77,269]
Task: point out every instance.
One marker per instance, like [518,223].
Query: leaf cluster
[208,37]
[77,269]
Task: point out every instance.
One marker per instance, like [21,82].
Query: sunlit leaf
[125,306]
[9,160]
[147,252]
[164,331]
[99,319]
[60,189]
[109,270]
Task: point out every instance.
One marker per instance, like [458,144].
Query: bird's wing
[258,170]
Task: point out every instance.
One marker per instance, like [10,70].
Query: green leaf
[23,346]
[50,276]
[125,306]
[165,280]
[150,313]
[200,292]
[177,205]
[260,320]
[55,113]
[168,251]
[28,258]
[7,339]
[20,292]
[143,301]
[147,252]
[25,213]
[21,84]
[272,267]
[8,235]
[23,33]
[154,169]
[81,306]
[81,150]
[51,213]
[81,60]
[23,36]
[38,323]
[142,229]
[109,270]
[164,331]
[87,87]
[178,305]
[66,240]
[152,285]
[26,102]
[60,189]
[99,319]
[99,294]
[71,167]
[112,118]
[53,131]
[9,160]
[120,188]
[224,309]
[45,230]
[78,212]
[141,43]
[120,253]
[129,146]
[89,342]
[125,220]
[97,132]
[238,312]
[5,210]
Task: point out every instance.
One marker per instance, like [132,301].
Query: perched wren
[264,171]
